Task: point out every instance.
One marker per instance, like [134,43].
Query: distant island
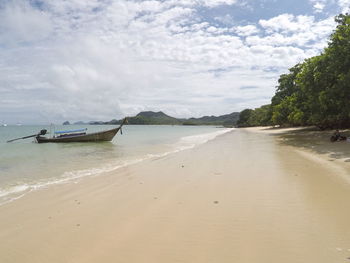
[160,118]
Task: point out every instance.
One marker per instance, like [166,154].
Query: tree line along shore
[315,92]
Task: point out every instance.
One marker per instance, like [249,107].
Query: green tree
[244,118]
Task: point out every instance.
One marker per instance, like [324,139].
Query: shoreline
[245,196]
[187,142]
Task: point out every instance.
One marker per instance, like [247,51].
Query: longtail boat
[79,135]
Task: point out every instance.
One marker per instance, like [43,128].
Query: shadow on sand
[315,140]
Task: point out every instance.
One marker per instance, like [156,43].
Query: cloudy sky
[104,59]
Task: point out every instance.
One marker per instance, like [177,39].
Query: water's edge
[13,193]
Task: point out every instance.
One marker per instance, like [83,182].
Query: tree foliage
[315,92]
[257,117]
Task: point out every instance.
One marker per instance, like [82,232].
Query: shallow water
[26,165]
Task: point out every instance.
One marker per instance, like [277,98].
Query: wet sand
[248,196]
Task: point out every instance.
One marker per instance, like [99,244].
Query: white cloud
[246,30]
[290,30]
[212,3]
[318,7]
[345,5]
[20,22]
[105,59]
[226,19]
[286,23]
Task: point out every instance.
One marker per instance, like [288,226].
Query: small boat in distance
[79,135]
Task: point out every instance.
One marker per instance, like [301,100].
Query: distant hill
[226,120]
[155,118]
[98,122]
[79,123]
[160,118]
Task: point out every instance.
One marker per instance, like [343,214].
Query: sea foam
[188,142]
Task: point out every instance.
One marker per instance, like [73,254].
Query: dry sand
[247,197]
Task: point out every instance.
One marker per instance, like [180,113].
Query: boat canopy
[70,131]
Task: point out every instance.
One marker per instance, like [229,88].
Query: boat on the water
[79,135]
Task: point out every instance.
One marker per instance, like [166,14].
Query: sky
[106,59]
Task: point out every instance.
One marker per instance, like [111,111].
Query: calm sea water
[26,166]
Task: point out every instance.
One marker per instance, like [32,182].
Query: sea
[26,166]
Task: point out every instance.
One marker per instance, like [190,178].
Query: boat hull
[91,137]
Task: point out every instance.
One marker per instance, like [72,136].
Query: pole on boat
[121,125]
[42,132]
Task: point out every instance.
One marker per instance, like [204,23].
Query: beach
[248,196]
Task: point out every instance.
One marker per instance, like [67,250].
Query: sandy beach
[248,196]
